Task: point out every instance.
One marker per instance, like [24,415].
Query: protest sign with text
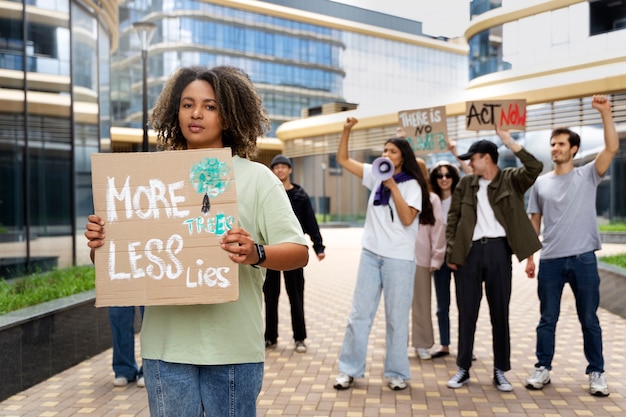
[425,129]
[484,115]
[164,213]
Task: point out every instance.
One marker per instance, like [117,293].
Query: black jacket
[304,212]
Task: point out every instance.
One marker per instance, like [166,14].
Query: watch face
[260,252]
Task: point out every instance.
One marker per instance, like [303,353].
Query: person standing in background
[565,199]
[487,223]
[387,264]
[122,321]
[430,249]
[294,279]
[444,178]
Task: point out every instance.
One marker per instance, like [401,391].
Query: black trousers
[488,262]
[294,284]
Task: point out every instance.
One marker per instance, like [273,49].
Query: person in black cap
[294,280]
[487,223]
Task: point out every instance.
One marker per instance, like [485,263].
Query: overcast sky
[439,17]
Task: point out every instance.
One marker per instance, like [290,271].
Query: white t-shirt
[486,223]
[383,236]
[445,208]
[567,204]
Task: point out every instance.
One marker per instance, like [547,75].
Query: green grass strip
[39,288]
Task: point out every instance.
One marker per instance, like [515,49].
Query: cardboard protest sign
[164,213]
[425,129]
[484,115]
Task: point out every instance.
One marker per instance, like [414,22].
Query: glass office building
[555,55]
[297,57]
[54,112]
[71,84]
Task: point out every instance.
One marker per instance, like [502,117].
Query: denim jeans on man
[176,389]
[394,278]
[122,321]
[581,272]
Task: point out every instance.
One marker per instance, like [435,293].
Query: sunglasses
[441,176]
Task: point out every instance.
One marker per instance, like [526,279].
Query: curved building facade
[554,54]
[299,56]
[54,112]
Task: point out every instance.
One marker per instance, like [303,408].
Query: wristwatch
[260,250]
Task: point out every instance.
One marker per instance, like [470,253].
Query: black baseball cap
[482,146]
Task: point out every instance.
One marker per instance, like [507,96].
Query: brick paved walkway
[301,384]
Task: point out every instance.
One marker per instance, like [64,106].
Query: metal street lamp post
[145,31]
[326,208]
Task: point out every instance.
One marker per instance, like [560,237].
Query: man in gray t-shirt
[565,199]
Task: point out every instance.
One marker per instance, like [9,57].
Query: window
[606,16]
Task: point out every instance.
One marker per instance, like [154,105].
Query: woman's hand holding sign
[94,233]
[240,246]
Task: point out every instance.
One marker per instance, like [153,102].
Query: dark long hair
[452,170]
[410,166]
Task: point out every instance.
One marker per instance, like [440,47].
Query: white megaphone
[382,168]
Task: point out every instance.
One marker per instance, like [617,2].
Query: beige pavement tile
[301,384]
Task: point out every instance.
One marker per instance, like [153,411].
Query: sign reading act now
[164,213]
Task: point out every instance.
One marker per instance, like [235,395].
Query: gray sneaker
[300,346]
[539,378]
[343,381]
[597,384]
[397,384]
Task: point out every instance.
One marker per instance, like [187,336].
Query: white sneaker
[457,381]
[424,354]
[300,346]
[397,384]
[539,378]
[141,383]
[500,381]
[597,384]
[120,381]
[343,381]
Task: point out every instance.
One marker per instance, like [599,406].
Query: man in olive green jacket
[487,223]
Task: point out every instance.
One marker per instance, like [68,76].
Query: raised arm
[611,140]
[507,140]
[351,165]
[464,165]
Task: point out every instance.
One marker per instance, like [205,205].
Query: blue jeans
[122,321]
[581,272]
[178,389]
[394,278]
[442,278]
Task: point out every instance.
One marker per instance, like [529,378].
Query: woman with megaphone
[387,264]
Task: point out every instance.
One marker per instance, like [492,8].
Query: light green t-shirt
[228,333]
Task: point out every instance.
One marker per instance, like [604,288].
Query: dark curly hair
[239,107]
[411,167]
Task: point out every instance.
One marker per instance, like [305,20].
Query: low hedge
[39,288]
